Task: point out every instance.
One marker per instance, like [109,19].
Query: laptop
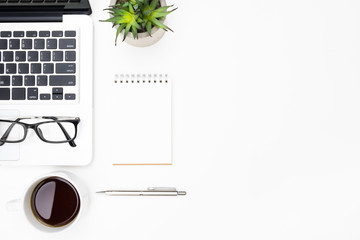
[46,49]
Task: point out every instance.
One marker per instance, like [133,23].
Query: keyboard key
[70,56]
[70,33]
[62,80]
[58,56]
[19,34]
[3,44]
[31,34]
[1,68]
[39,43]
[20,56]
[57,90]
[48,68]
[5,34]
[51,44]
[8,56]
[57,33]
[70,96]
[17,81]
[65,68]
[4,80]
[14,44]
[10,68]
[23,68]
[67,43]
[4,93]
[42,80]
[45,56]
[36,68]
[32,93]
[33,56]
[29,80]
[18,94]
[57,96]
[26,44]
[44,34]
[45,96]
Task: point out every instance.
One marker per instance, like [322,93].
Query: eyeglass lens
[11,131]
[57,131]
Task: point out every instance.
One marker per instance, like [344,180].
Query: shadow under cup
[55,202]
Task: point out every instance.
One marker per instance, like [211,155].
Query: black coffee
[55,202]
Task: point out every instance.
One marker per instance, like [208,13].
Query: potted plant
[141,22]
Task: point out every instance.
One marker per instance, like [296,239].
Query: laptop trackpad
[9,151]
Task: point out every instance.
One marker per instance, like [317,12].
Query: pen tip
[182,193]
[101,192]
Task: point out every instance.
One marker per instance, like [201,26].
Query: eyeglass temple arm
[72,142]
[6,134]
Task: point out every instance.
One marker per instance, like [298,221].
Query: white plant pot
[144,39]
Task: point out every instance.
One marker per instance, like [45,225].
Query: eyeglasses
[52,130]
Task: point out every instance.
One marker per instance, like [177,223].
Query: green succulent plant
[137,16]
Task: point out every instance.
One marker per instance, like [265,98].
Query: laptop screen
[67,6]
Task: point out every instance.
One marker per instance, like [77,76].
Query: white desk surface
[266,131]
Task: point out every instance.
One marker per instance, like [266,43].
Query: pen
[153,191]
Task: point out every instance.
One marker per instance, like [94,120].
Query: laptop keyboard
[38,66]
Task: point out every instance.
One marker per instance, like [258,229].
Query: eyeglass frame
[35,127]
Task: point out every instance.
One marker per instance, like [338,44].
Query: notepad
[143,132]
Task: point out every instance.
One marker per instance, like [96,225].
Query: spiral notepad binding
[141,78]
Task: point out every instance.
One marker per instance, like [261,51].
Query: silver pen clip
[162,189]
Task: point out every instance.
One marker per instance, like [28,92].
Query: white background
[266,129]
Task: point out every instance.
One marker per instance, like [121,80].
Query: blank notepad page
[143,129]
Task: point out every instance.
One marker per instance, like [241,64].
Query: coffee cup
[53,202]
